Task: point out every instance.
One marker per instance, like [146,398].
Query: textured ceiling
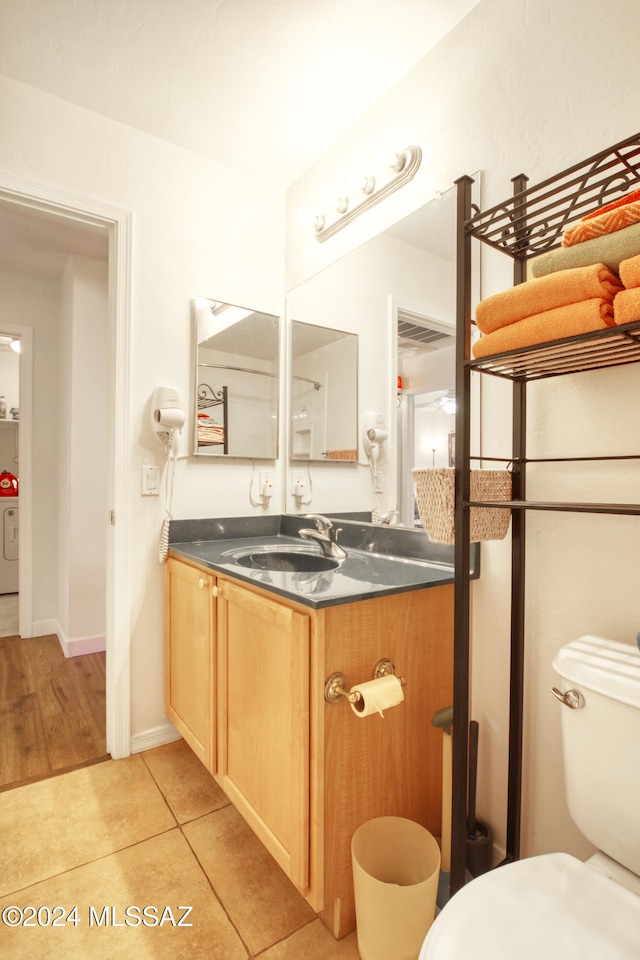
[264,86]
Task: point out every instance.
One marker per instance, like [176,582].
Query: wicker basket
[435,496]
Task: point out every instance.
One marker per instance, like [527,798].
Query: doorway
[425,402]
[54,211]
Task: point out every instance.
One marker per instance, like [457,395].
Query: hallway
[52,709]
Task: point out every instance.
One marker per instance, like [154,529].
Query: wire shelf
[610,347]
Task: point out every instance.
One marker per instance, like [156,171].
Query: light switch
[150,481]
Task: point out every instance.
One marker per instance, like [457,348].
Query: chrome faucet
[325,535]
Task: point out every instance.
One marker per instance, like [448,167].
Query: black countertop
[381,560]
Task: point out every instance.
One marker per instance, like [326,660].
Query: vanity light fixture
[401,168]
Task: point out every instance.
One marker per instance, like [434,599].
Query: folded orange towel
[630,271]
[626,306]
[610,250]
[536,296]
[629,198]
[605,223]
[555,324]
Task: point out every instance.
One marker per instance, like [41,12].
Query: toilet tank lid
[605,666]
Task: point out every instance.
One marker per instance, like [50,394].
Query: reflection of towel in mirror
[342,455]
[626,306]
[546,293]
[209,432]
[610,250]
[616,219]
[630,272]
[568,321]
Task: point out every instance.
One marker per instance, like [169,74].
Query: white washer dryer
[9,553]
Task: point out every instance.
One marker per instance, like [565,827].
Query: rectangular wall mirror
[237,356]
[398,292]
[324,393]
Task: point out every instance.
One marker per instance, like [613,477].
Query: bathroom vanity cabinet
[189,668]
[303,772]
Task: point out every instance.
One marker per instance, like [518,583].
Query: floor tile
[314,942]
[160,872]
[186,784]
[58,824]
[260,900]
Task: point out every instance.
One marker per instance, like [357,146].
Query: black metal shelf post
[530,223]
[460,733]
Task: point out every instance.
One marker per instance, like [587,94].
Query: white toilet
[555,906]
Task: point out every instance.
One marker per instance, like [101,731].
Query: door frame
[117,627]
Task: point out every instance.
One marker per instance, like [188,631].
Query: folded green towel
[610,250]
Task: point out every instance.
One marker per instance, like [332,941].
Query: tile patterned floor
[152,831]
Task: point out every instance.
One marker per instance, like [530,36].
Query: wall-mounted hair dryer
[167,414]
[373,434]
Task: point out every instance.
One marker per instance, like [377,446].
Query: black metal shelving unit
[529,223]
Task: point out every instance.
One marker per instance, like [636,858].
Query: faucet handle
[322,523]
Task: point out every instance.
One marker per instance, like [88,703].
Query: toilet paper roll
[169,417]
[377,695]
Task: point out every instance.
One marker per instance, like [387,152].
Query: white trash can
[396,864]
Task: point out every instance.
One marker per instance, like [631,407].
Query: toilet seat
[552,906]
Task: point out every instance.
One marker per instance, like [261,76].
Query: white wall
[533,86]
[82,460]
[36,303]
[198,227]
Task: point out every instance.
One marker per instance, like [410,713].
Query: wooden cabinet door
[189,656]
[263,721]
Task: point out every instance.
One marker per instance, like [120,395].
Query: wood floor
[52,710]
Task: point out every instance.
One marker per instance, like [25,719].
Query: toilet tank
[601,744]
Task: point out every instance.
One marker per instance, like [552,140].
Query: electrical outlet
[298,483]
[266,483]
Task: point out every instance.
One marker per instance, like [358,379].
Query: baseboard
[44,628]
[78,646]
[156,737]
[70,646]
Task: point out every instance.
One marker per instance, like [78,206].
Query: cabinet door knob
[202,583]
[214,591]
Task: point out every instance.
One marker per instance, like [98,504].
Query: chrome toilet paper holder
[336,685]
